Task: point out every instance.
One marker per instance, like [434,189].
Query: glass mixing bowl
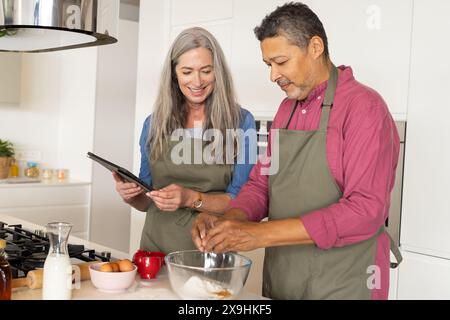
[195,275]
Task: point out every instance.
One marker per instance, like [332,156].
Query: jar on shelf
[62,174]
[32,170]
[47,174]
[14,169]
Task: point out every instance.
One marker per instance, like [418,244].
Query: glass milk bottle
[57,282]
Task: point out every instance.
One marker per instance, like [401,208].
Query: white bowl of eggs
[117,276]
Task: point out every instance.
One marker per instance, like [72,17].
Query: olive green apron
[171,231]
[304,183]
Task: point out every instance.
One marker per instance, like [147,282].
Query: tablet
[124,173]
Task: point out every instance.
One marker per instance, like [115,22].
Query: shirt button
[319,97]
[303,111]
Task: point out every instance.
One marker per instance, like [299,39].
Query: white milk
[57,282]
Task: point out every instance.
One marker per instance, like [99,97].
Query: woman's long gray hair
[222,112]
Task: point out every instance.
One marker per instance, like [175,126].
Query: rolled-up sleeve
[370,153]
[254,196]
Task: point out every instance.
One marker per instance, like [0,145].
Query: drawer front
[43,196]
[423,277]
[76,215]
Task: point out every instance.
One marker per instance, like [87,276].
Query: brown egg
[125,265]
[106,268]
[115,266]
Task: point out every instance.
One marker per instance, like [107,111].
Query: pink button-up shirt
[362,153]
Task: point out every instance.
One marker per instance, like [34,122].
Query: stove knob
[106,254]
[40,233]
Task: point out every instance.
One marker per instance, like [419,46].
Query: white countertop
[157,289]
[72,240]
[37,183]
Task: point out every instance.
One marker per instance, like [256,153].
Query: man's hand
[172,197]
[233,235]
[200,227]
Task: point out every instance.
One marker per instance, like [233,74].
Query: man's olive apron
[304,183]
[171,231]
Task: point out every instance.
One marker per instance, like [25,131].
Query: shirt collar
[319,91]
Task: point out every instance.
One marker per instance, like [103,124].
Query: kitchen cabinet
[42,203]
[216,17]
[10,78]
[425,217]
[250,74]
[425,240]
[358,33]
[254,280]
[194,11]
[423,277]
[395,210]
[222,31]
[374,38]
[393,282]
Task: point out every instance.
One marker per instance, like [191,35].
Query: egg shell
[125,265]
[106,268]
[115,266]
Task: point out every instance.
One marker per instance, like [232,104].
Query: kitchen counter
[37,183]
[156,289]
[72,239]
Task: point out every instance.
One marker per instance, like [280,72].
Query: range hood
[52,25]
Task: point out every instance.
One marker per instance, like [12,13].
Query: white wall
[114,136]
[76,113]
[33,124]
[153,35]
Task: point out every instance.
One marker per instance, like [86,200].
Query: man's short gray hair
[297,22]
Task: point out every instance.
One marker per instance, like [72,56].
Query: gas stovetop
[27,250]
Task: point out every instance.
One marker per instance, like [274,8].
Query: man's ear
[316,47]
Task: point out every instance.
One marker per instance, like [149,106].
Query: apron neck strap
[296,103]
[329,98]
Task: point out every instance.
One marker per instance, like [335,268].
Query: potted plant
[6,158]
[7,32]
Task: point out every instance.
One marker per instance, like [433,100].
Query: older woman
[196,95]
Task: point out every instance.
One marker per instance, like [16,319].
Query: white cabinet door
[44,203]
[221,30]
[374,38]
[251,76]
[255,276]
[193,11]
[393,283]
[423,277]
[425,216]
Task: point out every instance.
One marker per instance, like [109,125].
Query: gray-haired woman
[196,94]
